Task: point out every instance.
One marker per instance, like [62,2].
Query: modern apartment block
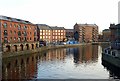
[15,32]
[87,32]
[44,32]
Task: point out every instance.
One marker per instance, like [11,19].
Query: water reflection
[83,54]
[79,63]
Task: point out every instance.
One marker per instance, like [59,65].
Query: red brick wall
[11,27]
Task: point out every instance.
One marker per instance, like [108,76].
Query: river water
[83,62]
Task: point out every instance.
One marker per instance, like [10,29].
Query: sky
[63,13]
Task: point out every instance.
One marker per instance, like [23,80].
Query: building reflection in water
[84,54]
[25,67]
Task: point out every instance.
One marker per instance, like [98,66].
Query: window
[19,27]
[25,34]
[40,33]
[14,32]
[5,32]
[35,33]
[40,37]
[5,25]
[10,25]
[19,33]
[5,39]
[56,37]
[19,39]
[14,38]
[25,27]
[14,25]
[30,33]
[53,37]
[30,38]
[11,31]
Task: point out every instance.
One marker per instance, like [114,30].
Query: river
[83,62]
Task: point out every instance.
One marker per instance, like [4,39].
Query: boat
[114,72]
[111,56]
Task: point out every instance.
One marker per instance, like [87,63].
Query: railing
[115,46]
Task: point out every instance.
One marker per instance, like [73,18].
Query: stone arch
[21,47]
[16,62]
[32,46]
[22,62]
[8,65]
[8,48]
[15,47]
[27,46]
[36,45]
[32,58]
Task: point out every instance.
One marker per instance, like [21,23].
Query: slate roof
[57,28]
[14,19]
[43,27]
[84,25]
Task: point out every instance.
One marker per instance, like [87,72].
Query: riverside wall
[42,49]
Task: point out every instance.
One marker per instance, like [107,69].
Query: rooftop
[43,26]
[93,25]
[14,19]
[57,28]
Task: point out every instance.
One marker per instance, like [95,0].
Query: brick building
[115,36]
[58,34]
[100,38]
[15,32]
[115,31]
[44,32]
[87,32]
[106,35]
[50,34]
[69,33]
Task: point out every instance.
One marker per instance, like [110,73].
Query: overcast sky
[63,13]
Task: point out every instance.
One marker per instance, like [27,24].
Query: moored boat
[112,56]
